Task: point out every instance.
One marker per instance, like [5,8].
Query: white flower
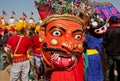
[101,19]
[98,16]
[92,20]
[94,24]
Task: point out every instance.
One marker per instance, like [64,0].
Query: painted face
[62,43]
[101,30]
[97,25]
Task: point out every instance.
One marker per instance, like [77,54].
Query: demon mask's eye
[77,37]
[56,33]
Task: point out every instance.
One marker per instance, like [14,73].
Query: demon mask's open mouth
[60,59]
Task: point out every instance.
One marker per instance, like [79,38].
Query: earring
[41,39]
[80,46]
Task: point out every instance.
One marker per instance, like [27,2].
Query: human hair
[113,20]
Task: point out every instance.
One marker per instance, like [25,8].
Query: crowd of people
[20,43]
[27,33]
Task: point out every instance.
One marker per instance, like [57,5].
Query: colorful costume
[37,59]
[94,42]
[36,45]
[19,45]
[62,36]
[12,42]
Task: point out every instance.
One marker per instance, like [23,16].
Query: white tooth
[58,58]
[55,56]
[69,59]
[73,58]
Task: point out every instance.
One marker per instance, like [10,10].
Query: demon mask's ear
[86,26]
[86,20]
[42,34]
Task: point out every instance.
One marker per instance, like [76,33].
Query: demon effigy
[96,28]
[61,39]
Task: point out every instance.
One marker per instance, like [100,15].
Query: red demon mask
[62,41]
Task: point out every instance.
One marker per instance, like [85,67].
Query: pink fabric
[114,25]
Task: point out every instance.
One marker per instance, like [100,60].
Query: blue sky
[20,6]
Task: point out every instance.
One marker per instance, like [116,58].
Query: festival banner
[97,7]
[113,10]
[32,13]
[3,12]
[13,12]
[106,11]
[24,14]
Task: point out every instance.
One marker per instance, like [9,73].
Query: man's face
[62,43]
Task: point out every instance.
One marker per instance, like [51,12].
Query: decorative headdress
[96,21]
[50,7]
[62,17]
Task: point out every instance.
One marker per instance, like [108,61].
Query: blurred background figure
[112,47]
[1,52]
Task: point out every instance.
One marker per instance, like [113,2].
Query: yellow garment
[37,48]
[92,51]
[37,28]
[28,55]
[17,54]
[8,27]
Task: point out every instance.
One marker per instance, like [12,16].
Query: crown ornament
[78,8]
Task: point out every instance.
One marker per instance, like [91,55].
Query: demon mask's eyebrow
[57,27]
[78,30]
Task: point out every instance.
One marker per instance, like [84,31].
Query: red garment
[24,45]
[36,45]
[114,25]
[1,31]
[76,74]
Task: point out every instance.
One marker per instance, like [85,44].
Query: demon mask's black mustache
[54,50]
[58,50]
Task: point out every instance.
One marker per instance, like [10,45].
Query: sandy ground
[4,75]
